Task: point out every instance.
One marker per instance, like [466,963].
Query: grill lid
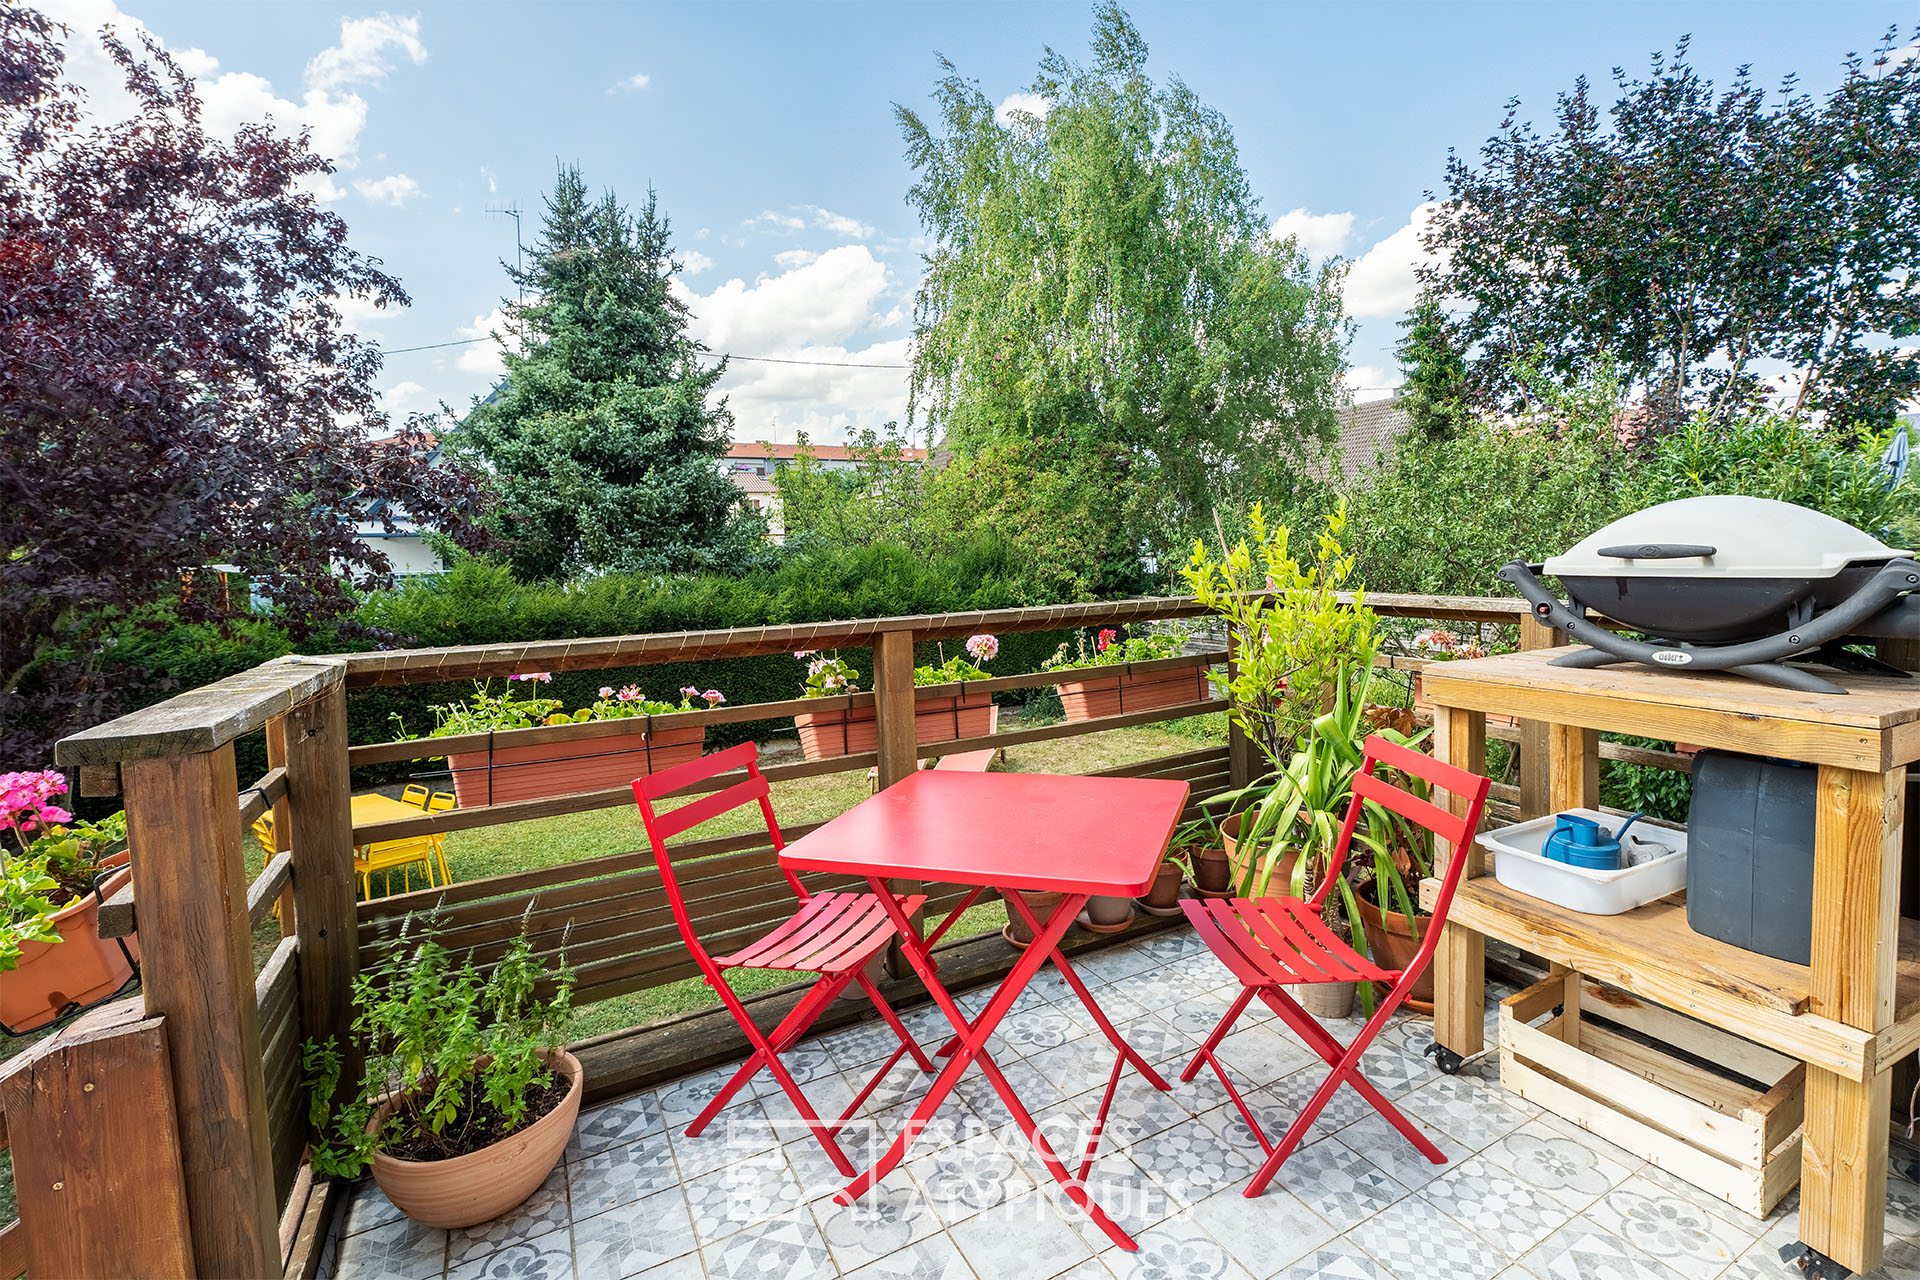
[1721,537]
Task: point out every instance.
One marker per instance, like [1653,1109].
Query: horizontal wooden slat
[262,795]
[1140,768]
[13,1250]
[585,801]
[204,718]
[1615,751]
[269,885]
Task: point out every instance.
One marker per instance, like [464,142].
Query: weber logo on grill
[1671,657]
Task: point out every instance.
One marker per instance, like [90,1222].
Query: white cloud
[840,224]
[633,83]
[1382,281]
[814,311]
[1320,235]
[368,50]
[788,259]
[483,357]
[1370,382]
[493,183]
[693,262]
[781,221]
[1028,103]
[394,189]
[361,57]
[403,398]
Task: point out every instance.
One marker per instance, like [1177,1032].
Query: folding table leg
[974,1036]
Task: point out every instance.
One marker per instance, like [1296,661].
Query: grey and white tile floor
[1524,1195]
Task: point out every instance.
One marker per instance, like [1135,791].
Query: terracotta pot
[1393,947]
[1165,894]
[1281,884]
[1126,691]
[1326,999]
[1041,904]
[845,731]
[1424,705]
[533,772]
[1107,915]
[1213,873]
[81,968]
[482,1185]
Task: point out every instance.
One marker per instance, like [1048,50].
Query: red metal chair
[833,935]
[1270,944]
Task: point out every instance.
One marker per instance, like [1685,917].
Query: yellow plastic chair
[415,795]
[386,855]
[263,832]
[440,802]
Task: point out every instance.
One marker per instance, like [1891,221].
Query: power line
[714,355]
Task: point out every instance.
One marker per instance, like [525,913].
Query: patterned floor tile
[1177,1249]
[614,1124]
[787,1247]
[803,1062]
[1680,1231]
[1388,1148]
[633,1238]
[860,1045]
[1037,1030]
[1074,1068]
[1468,1111]
[740,1195]
[622,1173]
[962,1180]
[547,1257]
[1258,1053]
[540,1213]
[1023,1236]
[1276,1106]
[1280,1228]
[1496,1204]
[934,1258]
[367,1208]
[687,1267]
[885,1220]
[1574,1171]
[1340,1185]
[684,1099]
[1158,1041]
[1194,1160]
[1336,1260]
[828,1095]
[1586,1250]
[1414,1243]
[742,1130]
[397,1249]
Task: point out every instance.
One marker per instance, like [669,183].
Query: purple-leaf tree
[177,385]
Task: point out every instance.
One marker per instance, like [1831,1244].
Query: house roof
[747,482]
[1367,429]
[787,452]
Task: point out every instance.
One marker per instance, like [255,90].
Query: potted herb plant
[466,1098]
[843,730]
[1123,690]
[54,874]
[530,771]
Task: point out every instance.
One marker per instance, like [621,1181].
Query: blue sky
[767,131]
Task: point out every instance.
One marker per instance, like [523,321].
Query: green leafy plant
[1111,649]
[47,860]
[461,1055]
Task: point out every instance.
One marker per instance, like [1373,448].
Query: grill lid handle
[1658,551]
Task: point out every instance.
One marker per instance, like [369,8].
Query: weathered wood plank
[203,719]
[262,795]
[268,886]
[1460,962]
[1067,729]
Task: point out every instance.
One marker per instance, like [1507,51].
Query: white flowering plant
[828,674]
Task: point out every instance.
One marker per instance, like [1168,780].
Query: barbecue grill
[1743,585]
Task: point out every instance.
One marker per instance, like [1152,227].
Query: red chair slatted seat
[833,935]
[1269,944]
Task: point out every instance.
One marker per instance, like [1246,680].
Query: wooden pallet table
[1850,1015]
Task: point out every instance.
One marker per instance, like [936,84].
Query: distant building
[751,467]
[405,545]
[1367,430]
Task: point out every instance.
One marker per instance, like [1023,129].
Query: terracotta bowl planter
[1041,904]
[534,772]
[482,1185]
[849,731]
[1164,898]
[1282,874]
[1393,947]
[1127,691]
[81,968]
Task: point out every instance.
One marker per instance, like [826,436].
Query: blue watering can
[1582,842]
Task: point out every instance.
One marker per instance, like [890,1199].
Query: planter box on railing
[536,770]
[1122,690]
[82,968]
[850,731]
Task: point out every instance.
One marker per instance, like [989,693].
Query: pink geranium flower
[714,697]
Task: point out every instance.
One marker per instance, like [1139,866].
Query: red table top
[1009,830]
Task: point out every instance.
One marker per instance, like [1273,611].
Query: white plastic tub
[1519,865]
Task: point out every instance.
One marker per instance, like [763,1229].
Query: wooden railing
[234,1032]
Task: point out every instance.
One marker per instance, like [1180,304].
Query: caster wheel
[1813,1263]
[1445,1059]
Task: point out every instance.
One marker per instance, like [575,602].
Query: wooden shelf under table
[1651,952]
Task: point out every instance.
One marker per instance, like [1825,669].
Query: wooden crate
[1731,1140]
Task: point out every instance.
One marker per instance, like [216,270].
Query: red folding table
[1075,836]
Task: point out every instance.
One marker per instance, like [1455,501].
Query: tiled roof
[787,452]
[1367,429]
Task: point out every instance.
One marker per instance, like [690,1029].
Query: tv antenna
[511,209]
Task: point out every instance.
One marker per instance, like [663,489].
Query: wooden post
[282,824]
[189,877]
[319,831]
[1533,733]
[96,1155]
[1856,918]
[1460,963]
[1573,768]
[898,744]
[1243,758]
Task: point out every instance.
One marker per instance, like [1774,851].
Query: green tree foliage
[1435,393]
[605,436]
[1695,235]
[1102,279]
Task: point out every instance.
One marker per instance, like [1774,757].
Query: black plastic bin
[1750,853]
